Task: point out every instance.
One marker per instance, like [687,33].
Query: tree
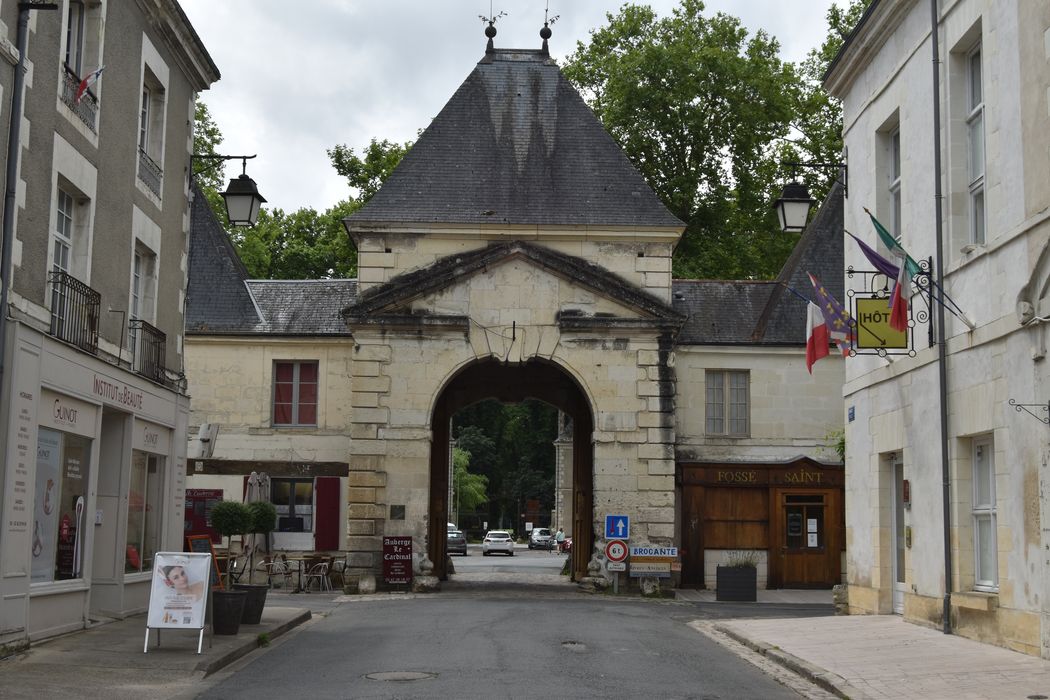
[300,245]
[208,174]
[818,125]
[698,106]
[469,489]
[368,173]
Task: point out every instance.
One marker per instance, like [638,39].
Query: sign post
[179,595]
[616,554]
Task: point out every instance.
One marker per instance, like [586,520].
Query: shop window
[145,506]
[295,393]
[60,523]
[294,500]
[985,551]
[728,402]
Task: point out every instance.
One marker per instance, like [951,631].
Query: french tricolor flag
[89,80]
[817,336]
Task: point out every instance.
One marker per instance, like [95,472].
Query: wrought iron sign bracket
[1045,407]
[874,286]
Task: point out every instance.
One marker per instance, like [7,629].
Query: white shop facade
[94,483]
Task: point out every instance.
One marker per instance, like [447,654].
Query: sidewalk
[880,656]
[107,661]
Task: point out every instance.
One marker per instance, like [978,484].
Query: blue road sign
[617,527]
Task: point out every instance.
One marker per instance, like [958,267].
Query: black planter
[736,583]
[254,602]
[226,611]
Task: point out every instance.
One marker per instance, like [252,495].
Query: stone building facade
[992,580]
[516,253]
[94,412]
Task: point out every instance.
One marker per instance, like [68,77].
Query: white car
[497,541]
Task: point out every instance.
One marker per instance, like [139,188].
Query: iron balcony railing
[149,344]
[87,108]
[74,311]
[150,173]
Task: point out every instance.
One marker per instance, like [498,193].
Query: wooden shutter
[326,513]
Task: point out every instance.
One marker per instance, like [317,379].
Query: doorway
[491,379]
[807,546]
[899,537]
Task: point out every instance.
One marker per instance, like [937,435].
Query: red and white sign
[616,551]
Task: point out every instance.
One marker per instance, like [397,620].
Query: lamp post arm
[216,161]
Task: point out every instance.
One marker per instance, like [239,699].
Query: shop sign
[397,560]
[803,477]
[66,414]
[653,561]
[152,438]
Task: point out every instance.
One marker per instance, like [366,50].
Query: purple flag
[880,263]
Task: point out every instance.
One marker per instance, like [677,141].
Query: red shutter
[326,513]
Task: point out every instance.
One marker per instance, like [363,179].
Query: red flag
[899,301]
[817,337]
[87,82]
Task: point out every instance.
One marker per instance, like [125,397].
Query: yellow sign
[873,326]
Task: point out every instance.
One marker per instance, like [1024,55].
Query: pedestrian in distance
[560,539]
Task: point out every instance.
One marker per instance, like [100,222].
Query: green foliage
[697,105]
[300,245]
[837,442]
[742,559]
[263,639]
[470,490]
[818,122]
[209,174]
[264,517]
[231,518]
[512,446]
[368,173]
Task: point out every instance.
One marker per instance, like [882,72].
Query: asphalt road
[498,642]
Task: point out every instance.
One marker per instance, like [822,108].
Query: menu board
[397,560]
[197,515]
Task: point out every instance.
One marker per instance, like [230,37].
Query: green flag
[911,267]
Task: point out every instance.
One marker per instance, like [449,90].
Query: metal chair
[339,568]
[318,572]
[278,569]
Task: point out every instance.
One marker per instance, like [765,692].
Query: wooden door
[692,551]
[807,540]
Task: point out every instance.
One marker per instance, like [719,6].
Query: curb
[250,644]
[831,682]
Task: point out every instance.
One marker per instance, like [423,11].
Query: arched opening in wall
[545,396]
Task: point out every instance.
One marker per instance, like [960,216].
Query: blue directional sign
[617,527]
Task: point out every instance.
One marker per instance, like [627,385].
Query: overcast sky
[300,77]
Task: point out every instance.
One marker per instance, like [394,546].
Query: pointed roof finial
[545,33]
[490,31]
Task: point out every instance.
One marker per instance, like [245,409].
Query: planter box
[736,583]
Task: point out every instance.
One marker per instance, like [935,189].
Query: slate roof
[766,313]
[221,300]
[515,144]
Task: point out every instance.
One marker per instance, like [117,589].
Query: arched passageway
[536,379]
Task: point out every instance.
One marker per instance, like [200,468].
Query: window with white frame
[142,304]
[975,144]
[894,186]
[76,20]
[728,402]
[295,393]
[151,132]
[985,554]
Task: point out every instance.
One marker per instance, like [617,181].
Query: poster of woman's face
[179,586]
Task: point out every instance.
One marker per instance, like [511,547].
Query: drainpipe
[942,340]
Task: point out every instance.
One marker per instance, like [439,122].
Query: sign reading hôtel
[800,473]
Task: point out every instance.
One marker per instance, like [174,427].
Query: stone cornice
[879,22]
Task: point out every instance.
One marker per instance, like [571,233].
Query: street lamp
[242,197]
[794,203]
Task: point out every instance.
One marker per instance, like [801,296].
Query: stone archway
[535,379]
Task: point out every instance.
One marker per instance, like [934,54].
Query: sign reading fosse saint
[765,477]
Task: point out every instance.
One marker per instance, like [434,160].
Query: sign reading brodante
[397,560]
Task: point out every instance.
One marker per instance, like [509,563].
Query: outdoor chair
[338,568]
[278,570]
[317,572]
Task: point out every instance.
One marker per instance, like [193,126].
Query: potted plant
[737,578]
[263,522]
[229,518]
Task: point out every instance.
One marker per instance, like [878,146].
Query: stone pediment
[501,280]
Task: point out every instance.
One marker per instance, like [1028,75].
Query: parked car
[497,541]
[541,538]
[457,542]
